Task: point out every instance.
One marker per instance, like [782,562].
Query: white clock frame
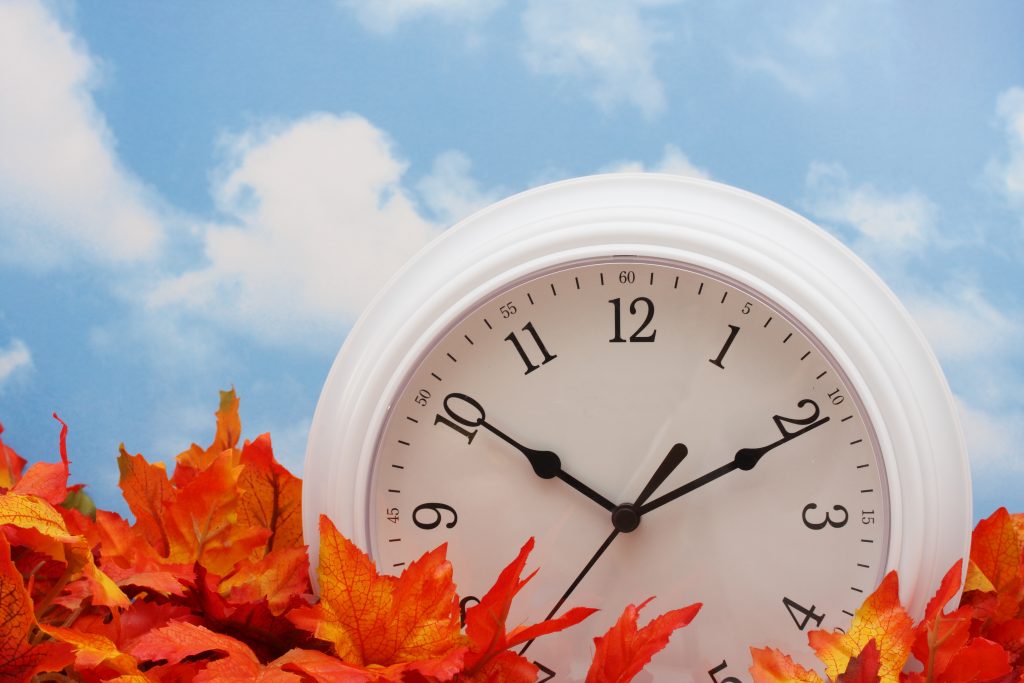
[751,240]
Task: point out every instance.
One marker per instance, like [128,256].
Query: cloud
[963,326]
[1009,171]
[993,439]
[606,44]
[384,16]
[672,161]
[14,358]
[880,223]
[449,190]
[64,194]
[318,221]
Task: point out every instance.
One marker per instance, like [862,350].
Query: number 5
[727,679]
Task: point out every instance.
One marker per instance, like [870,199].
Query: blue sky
[194,197]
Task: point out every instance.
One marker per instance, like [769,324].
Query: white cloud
[384,16]
[14,358]
[319,222]
[450,191]
[886,224]
[963,326]
[63,192]
[607,44]
[993,441]
[672,161]
[1009,171]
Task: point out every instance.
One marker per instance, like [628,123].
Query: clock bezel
[790,261]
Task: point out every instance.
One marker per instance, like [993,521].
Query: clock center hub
[626,518]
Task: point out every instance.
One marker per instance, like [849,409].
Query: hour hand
[545,464]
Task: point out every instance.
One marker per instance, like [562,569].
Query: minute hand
[747,458]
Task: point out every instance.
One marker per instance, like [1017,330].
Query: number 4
[808,614]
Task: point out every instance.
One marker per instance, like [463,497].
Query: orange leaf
[881,618]
[940,635]
[32,512]
[408,623]
[269,496]
[995,553]
[229,429]
[93,650]
[19,659]
[321,667]
[504,667]
[48,480]
[147,491]
[979,660]
[771,666]
[11,464]
[180,640]
[278,577]
[624,650]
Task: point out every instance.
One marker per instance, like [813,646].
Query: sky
[198,196]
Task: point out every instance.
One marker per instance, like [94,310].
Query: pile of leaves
[211,583]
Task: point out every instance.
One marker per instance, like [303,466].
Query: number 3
[835,524]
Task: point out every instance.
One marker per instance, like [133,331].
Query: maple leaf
[229,428]
[95,651]
[941,635]
[19,658]
[11,464]
[277,578]
[772,666]
[148,491]
[48,480]
[625,650]
[386,625]
[485,623]
[269,496]
[882,619]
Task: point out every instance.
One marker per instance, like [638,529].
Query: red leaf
[979,660]
[624,650]
[864,667]
[11,464]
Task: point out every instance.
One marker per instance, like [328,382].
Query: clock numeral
[718,669]
[634,310]
[828,521]
[836,397]
[435,521]
[392,515]
[464,605]
[543,669]
[422,398]
[627,277]
[457,421]
[530,367]
[508,310]
[806,423]
[867,516]
[807,613]
[733,331]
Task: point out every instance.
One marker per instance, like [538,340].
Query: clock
[680,389]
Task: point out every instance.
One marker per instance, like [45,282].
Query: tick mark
[530,297]
[855,442]
[393,491]
[434,375]
[787,337]
[398,564]
[725,294]
[863,566]
[860,467]
[866,540]
[577,282]
[676,285]
[488,323]
[768,321]
[399,467]
[394,540]
[700,289]
[553,292]
[805,355]
[602,278]
[821,375]
[848,417]
[867,490]
[404,443]
[849,614]
[452,357]
[412,419]
[853,588]
[468,339]
[652,277]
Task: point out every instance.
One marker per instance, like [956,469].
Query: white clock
[679,388]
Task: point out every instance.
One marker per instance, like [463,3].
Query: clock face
[549,408]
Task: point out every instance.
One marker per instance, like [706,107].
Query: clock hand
[746,458]
[546,464]
[623,522]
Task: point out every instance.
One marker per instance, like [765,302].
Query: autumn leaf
[48,480]
[229,429]
[11,464]
[485,623]
[148,492]
[625,650]
[941,635]
[995,554]
[772,666]
[269,496]
[277,578]
[386,625]
[20,659]
[94,650]
[864,667]
[882,619]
